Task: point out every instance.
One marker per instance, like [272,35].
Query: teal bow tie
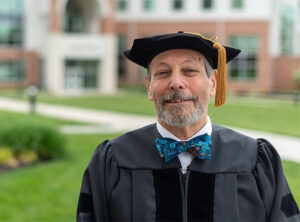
[199,146]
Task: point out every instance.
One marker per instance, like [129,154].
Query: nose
[176,81]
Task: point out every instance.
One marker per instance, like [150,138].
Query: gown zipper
[184,178]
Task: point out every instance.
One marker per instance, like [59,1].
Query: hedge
[24,136]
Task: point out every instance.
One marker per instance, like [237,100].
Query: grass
[7,117]
[49,191]
[292,172]
[260,114]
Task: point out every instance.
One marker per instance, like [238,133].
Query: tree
[296,75]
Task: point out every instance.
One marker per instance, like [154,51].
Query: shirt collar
[165,133]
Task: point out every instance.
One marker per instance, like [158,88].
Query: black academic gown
[127,180]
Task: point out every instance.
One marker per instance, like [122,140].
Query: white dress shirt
[185,157]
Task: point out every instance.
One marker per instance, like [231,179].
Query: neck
[187,132]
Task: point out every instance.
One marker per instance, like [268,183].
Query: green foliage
[5,155]
[28,157]
[296,76]
[22,136]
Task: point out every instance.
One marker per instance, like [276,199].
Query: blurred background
[65,86]
[74,46]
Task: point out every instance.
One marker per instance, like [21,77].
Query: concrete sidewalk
[107,122]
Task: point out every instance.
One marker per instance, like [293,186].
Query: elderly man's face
[179,86]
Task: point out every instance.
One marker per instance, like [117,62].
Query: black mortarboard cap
[145,49]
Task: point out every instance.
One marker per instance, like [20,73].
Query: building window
[177,5]
[73,18]
[237,4]
[244,67]
[207,4]
[122,5]
[12,71]
[287,30]
[121,59]
[11,23]
[149,5]
[81,74]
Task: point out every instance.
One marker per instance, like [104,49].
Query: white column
[54,65]
[108,66]
[274,38]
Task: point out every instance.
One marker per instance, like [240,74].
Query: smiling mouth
[178,100]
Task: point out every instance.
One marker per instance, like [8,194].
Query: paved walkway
[107,122]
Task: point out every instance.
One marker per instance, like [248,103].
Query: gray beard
[176,115]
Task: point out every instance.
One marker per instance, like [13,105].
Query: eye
[190,71]
[162,72]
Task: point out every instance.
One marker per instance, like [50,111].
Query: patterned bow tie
[199,146]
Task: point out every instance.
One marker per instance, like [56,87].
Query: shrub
[5,155]
[24,136]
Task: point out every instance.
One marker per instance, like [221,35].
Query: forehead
[179,56]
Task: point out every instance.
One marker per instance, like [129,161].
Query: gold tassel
[220,97]
[221,75]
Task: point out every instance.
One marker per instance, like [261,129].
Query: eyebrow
[185,61]
[161,64]
[191,60]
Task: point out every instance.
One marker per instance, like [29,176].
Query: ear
[213,83]
[150,96]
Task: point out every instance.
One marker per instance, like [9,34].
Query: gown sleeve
[98,181]
[277,198]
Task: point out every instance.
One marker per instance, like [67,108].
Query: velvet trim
[85,203]
[168,195]
[201,196]
[289,206]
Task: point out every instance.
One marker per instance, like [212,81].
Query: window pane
[12,71]
[73,18]
[244,66]
[81,74]
[234,73]
[14,7]
[121,59]
[287,29]
[149,5]
[177,4]
[207,4]
[122,5]
[11,23]
[251,73]
[237,4]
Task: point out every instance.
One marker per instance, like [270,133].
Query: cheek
[202,91]
[157,90]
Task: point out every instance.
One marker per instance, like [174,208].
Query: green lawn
[272,116]
[49,191]
[8,117]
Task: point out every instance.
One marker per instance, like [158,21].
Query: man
[183,168]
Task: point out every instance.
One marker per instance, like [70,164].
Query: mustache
[177,95]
